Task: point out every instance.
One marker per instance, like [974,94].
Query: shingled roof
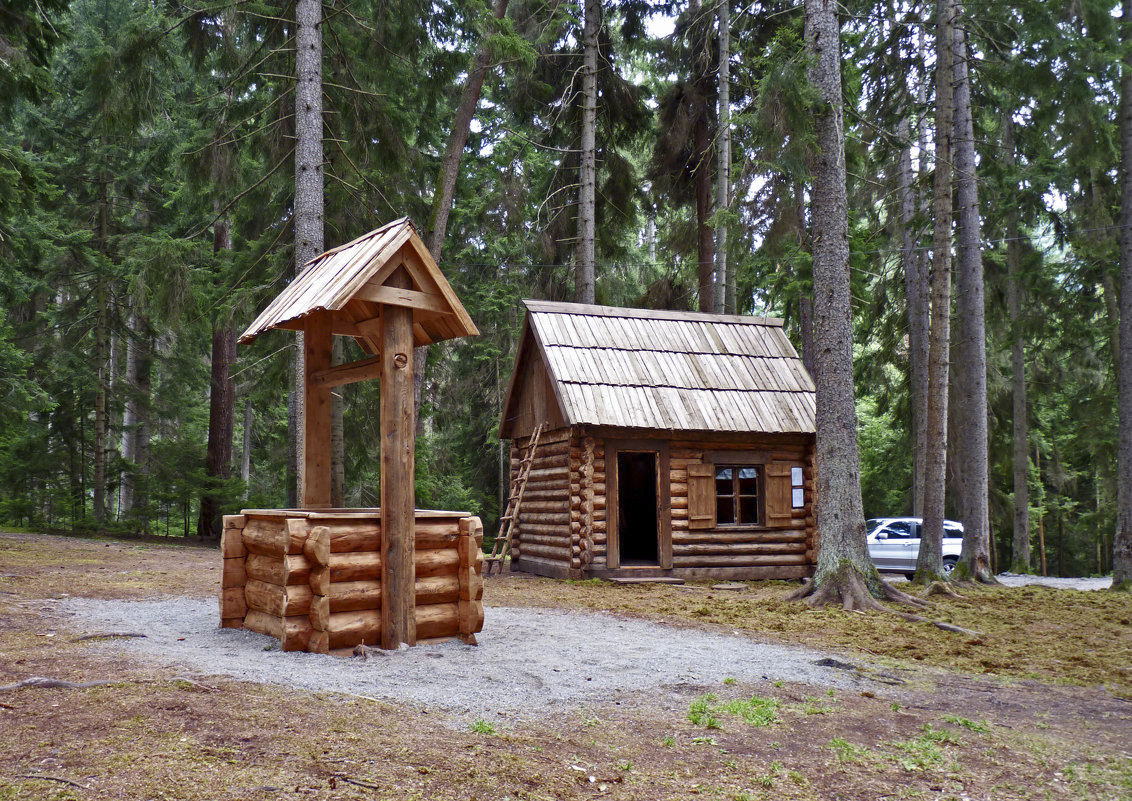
[665,370]
[350,282]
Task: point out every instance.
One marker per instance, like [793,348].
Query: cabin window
[797,489]
[737,495]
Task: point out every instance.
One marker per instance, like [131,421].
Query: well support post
[398,488]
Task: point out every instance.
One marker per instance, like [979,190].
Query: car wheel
[949,564]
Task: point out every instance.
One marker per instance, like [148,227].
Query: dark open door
[637,518]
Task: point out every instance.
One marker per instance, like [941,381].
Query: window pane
[724,481]
[795,476]
[724,510]
[798,499]
[748,481]
[749,510]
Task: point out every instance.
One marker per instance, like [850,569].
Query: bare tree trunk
[221,424]
[129,421]
[246,460]
[974,468]
[806,323]
[845,574]
[309,183]
[725,282]
[446,184]
[1020,545]
[916,297]
[929,565]
[1122,538]
[587,196]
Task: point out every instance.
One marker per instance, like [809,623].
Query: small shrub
[482,726]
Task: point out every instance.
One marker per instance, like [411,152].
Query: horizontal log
[278,600]
[293,633]
[354,566]
[546,530]
[437,620]
[562,446]
[738,561]
[282,570]
[354,596]
[723,536]
[544,493]
[536,506]
[354,536]
[274,537]
[437,563]
[557,552]
[437,590]
[233,573]
[736,548]
[347,629]
[545,539]
[553,518]
[556,473]
[232,603]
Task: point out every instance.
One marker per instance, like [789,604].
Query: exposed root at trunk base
[851,591]
[941,588]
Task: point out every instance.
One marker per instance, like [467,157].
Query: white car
[894,543]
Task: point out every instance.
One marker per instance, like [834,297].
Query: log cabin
[669,444]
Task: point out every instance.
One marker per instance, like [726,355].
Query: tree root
[106,636]
[942,588]
[852,593]
[44,683]
[60,779]
[47,683]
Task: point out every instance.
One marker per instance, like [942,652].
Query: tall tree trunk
[309,183]
[446,183]
[916,298]
[725,282]
[705,235]
[129,421]
[221,410]
[929,565]
[1122,538]
[971,404]
[1020,545]
[587,195]
[221,424]
[246,457]
[845,574]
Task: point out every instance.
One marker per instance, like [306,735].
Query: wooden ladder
[507,522]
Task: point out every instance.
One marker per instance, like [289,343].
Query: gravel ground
[1018,580]
[529,661]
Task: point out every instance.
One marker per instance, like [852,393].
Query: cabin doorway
[637,509]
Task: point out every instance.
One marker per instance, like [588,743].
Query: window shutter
[779,508]
[701,496]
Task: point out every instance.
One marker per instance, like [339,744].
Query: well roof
[350,282]
[666,370]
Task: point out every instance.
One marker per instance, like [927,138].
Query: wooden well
[381,576]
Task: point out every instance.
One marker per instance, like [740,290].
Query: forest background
[147,201]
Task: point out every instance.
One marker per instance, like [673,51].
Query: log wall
[563,523]
[313,579]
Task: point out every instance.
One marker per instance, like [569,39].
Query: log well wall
[313,579]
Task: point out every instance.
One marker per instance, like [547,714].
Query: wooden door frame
[660,447]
